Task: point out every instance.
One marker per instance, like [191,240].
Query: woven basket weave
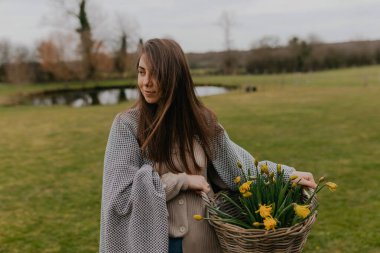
[235,239]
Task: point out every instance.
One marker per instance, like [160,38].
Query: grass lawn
[51,158]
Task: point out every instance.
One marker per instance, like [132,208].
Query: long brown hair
[179,118]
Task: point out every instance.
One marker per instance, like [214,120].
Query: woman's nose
[146,81]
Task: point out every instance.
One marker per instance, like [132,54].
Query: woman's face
[147,85]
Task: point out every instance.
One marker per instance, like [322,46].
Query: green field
[327,123]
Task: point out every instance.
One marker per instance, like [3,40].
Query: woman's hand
[198,183]
[304,178]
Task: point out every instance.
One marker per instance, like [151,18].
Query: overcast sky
[193,23]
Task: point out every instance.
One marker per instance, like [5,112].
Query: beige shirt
[198,236]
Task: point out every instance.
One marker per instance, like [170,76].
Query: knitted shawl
[134,216]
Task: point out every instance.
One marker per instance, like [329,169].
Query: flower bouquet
[265,214]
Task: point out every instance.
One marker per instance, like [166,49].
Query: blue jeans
[175,245]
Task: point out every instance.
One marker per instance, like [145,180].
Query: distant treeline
[51,61]
[297,56]
[301,56]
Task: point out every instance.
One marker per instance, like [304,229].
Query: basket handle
[205,198]
[209,203]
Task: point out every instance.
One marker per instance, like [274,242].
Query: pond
[104,95]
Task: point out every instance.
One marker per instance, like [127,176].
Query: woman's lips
[149,93]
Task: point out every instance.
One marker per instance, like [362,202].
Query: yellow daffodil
[279,168]
[270,223]
[256,224]
[332,186]
[239,165]
[271,175]
[321,180]
[247,194]
[264,169]
[256,163]
[302,210]
[294,185]
[292,177]
[245,187]
[198,217]
[264,210]
[237,179]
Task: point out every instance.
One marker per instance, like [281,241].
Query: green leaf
[237,222]
[220,212]
[247,207]
[231,201]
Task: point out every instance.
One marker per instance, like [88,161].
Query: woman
[160,155]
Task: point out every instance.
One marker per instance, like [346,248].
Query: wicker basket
[235,239]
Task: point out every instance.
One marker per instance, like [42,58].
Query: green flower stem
[237,222]
[251,216]
[258,185]
[282,194]
[318,189]
[240,166]
[220,212]
[284,210]
[295,220]
[231,201]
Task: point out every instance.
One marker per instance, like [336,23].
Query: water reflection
[209,90]
[82,101]
[131,94]
[109,97]
[105,96]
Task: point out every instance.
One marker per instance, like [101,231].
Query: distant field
[328,123]
[362,76]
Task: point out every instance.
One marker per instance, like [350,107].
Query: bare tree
[125,36]
[4,51]
[141,43]
[56,57]
[226,22]
[97,37]
[102,60]
[269,41]
[121,53]
[314,39]
[87,43]
[84,30]
[4,57]
[19,70]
